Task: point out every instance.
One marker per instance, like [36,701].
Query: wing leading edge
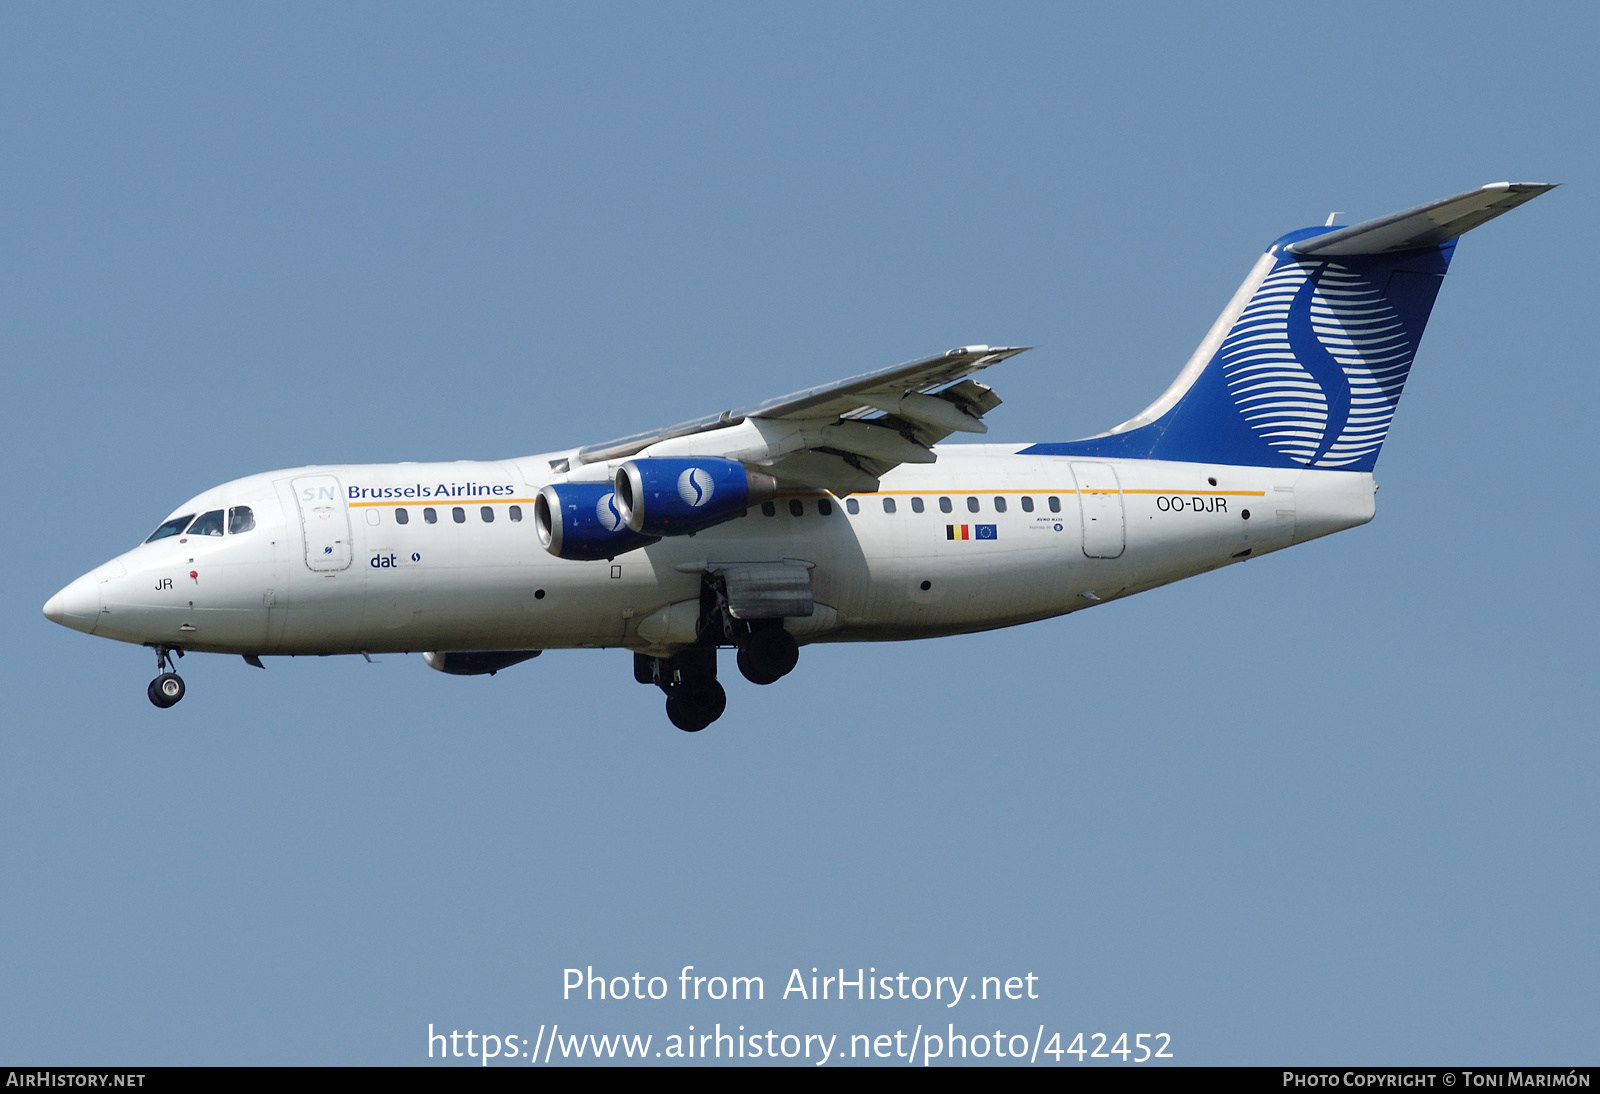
[842,436]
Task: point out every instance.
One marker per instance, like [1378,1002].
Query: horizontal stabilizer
[1425,226]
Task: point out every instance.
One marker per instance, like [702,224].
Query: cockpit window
[171,527]
[207,524]
[240,519]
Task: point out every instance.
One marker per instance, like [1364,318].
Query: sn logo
[606,512]
[695,487]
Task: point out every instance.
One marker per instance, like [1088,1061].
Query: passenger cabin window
[240,519]
[825,507]
[888,505]
[402,517]
[459,515]
[999,505]
[430,516]
[207,524]
[768,509]
[1027,505]
[972,505]
[944,505]
[171,527]
[916,505]
[852,506]
[515,513]
[488,514]
[1055,505]
[795,508]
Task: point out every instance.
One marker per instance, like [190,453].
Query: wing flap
[829,402]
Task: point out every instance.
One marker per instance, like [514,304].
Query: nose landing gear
[167,688]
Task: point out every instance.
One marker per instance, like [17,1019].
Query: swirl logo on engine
[606,512]
[695,487]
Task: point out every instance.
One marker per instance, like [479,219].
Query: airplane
[830,515]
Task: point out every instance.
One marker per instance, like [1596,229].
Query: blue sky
[1333,805]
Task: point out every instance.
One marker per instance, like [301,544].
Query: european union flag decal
[984,531]
[971,531]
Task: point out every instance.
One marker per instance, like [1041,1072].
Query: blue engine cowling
[674,497]
[583,520]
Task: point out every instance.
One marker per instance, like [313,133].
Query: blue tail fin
[1305,366]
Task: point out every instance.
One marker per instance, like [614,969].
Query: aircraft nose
[77,606]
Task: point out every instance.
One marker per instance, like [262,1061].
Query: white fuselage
[329,568]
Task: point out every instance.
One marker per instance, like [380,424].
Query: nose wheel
[167,688]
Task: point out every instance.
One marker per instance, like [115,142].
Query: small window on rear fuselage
[515,513]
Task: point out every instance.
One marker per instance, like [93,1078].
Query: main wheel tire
[754,668]
[768,656]
[165,690]
[678,716]
[695,704]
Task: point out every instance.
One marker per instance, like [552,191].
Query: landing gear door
[325,520]
[1100,503]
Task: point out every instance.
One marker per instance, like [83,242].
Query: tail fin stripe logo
[1315,363]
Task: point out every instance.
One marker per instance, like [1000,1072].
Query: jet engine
[675,497]
[584,520]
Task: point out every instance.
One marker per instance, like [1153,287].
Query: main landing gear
[167,688]
[767,653]
[694,698]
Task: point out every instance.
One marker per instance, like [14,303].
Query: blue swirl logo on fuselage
[695,487]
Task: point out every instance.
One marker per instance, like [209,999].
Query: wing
[842,436]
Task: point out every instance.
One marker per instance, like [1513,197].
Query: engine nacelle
[584,520]
[477,662]
[674,497]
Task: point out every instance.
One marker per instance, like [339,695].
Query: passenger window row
[797,508]
[239,520]
[853,506]
[458,514]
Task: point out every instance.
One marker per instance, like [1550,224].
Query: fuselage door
[325,521]
[1100,503]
